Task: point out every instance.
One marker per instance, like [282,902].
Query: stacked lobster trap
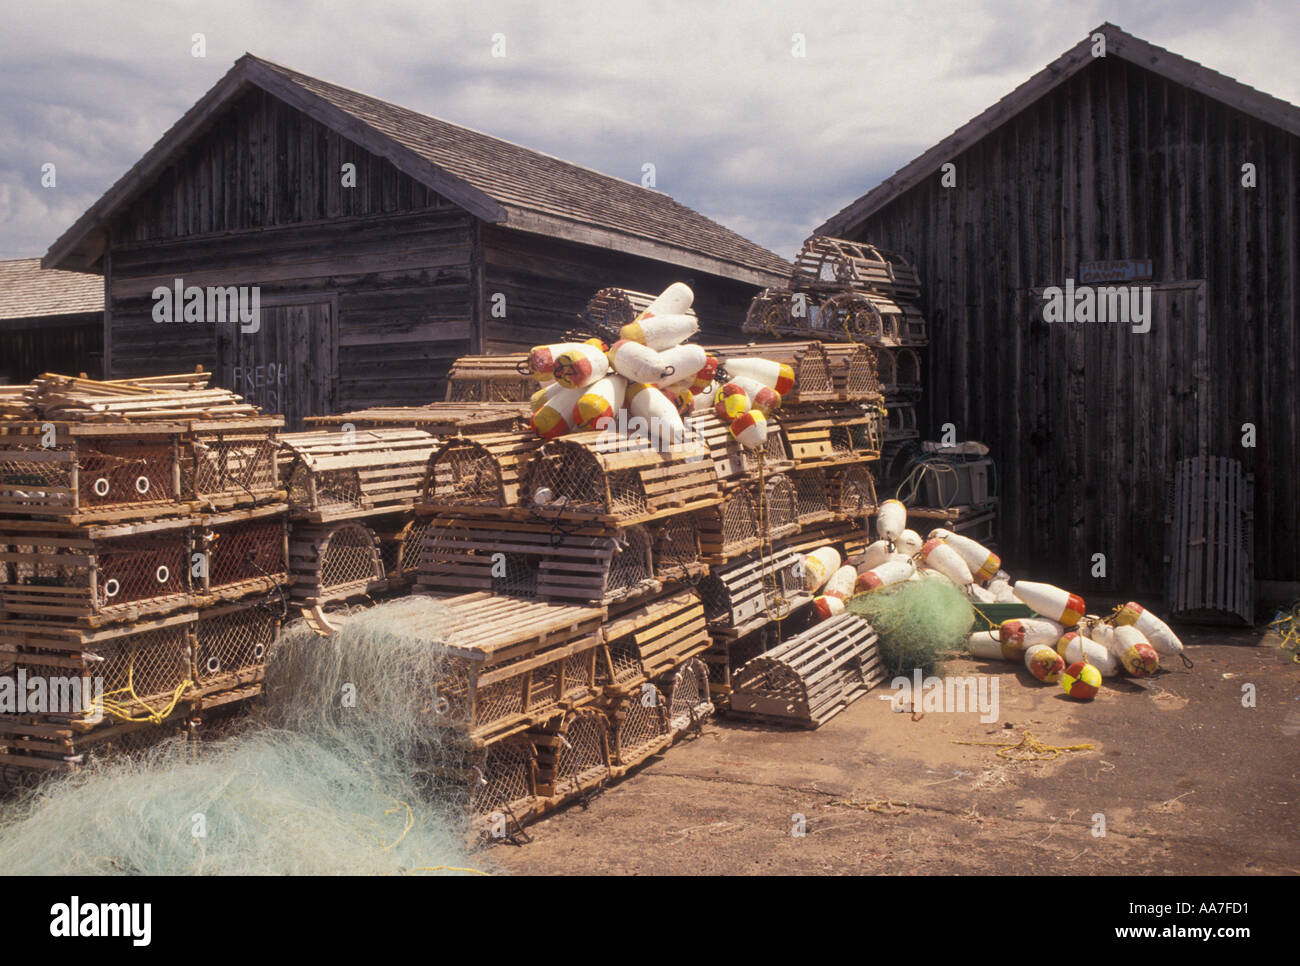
[143,560]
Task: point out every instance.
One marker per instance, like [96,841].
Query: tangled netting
[917,621]
[333,775]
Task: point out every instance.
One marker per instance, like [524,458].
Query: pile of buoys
[653,377]
[1061,642]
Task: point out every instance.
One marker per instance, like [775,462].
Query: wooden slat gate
[1210,528]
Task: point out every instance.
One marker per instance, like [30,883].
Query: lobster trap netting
[852,317]
[769,312]
[143,667]
[403,556]
[237,465]
[640,725]
[811,493]
[348,560]
[677,547]
[244,551]
[909,370]
[739,521]
[504,778]
[464,472]
[688,695]
[622,662]
[888,365]
[123,473]
[134,569]
[231,642]
[780,509]
[324,490]
[856,491]
[631,566]
[584,750]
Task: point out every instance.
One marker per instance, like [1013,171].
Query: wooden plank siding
[1085,422]
[63,343]
[547,283]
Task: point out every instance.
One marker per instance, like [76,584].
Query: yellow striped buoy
[1023,631]
[663,422]
[765,400]
[941,557]
[750,429]
[817,567]
[705,376]
[660,332]
[982,562]
[1134,651]
[826,606]
[636,362]
[555,417]
[1081,680]
[775,375]
[1043,662]
[579,366]
[599,402]
[985,644]
[1159,634]
[541,359]
[1052,602]
[1075,648]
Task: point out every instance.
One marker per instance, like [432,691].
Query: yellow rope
[124,711]
[446,868]
[1028,747]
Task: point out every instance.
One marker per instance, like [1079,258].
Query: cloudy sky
[768,143]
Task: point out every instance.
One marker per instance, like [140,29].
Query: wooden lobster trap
[812,677]
[353,473]
[900,371]
[900,421]
[826,264]
[849,537]
[771,313]
[233,463]
[855,317]
[647,639]
[688,699]
[79,473]
[852,491]
[438,419]
[730,528]
[502,378]
[855,371]
[231,645]
[813,496]
[752,591]
[812,370]
[335,562]
[827,435]
[483,472]
[639,727]
[93,575]
[573,754]
[499,665]
[534,559]
[612,308]
[241,553]
[32,748]
[611,479]
[778,507]
[675,547]
[502,782]
[731,460]
[728,654]
[400,539]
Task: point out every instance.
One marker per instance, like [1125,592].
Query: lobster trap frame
[606,478]
[813,496]
[688,697]
[827,264]
[752,591]
[233,464]
[812,371]
[244,552]
[778,511]
[483,472]
[855,370]
[731,460]
[730,528]
[645,640]
[900,371]
[828,435]
[812,677]
[359,473]
[639,727]
[500,378]
[573,754]
[335,561]
[94,575]
[534,559]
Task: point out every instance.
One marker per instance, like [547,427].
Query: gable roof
[496,180]
[29,291]
[1173,67]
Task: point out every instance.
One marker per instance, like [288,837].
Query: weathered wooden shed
[50,321]
[1135,157]
[384,243]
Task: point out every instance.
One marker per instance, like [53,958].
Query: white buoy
[674,300]
[579,366]
[1134,651]
[840,584]
[1052,602]
[683,362]
[1044,663]
[943,558]
[660,332]
[775,375]
[1075,647]
[636,362]
[1023,631]
[1157,632]
[985,644]
[541,359]
[599,402]
[887,573]
[765,400]
[543,395]
[663,423]
[818,566]
[555,416]
[873,556]
[750,429]
[982,562]
[982,594]
[891,520]
[909,542]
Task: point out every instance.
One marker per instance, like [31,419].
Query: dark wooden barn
[383,243]
[50,321]
[1133,157]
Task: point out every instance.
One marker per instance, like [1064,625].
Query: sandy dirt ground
[1187,779]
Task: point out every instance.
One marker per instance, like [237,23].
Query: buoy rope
[1028,747]
[767,563]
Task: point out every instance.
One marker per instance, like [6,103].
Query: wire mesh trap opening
[689,700]
[639,726]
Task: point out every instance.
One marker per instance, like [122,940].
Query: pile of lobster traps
[143,561]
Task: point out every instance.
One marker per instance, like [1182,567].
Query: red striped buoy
[1023,631]
[1075,648]
[887,573]
[579,366]
[1044,663]
[985,644]
[827,606]
[750,429]
[599,402]
[941,557]
[775,375]
[1052,602]
[982,563]
[1159,634]
[555,417]
[660,332]
[1134,651]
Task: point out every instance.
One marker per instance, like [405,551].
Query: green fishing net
[329,776]
[917,621]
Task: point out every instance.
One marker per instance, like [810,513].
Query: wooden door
[289,364]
